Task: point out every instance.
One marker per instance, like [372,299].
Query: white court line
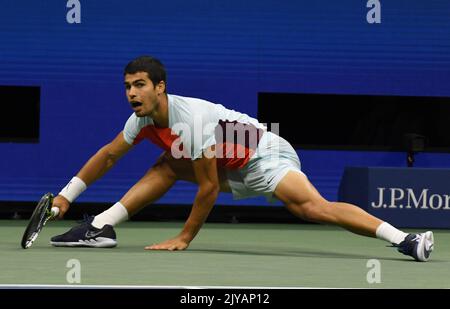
[73,286]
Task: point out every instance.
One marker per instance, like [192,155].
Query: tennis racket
[41,214]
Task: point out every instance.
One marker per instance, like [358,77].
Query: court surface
[223,255]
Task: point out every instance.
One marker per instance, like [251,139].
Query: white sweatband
[73,189]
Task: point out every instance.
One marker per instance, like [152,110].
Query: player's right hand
[62,203]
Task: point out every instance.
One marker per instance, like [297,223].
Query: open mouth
[135,104]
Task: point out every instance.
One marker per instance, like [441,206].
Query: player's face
[142,94]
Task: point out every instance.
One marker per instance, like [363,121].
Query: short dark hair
[152,66]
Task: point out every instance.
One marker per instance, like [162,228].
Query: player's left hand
[176,243]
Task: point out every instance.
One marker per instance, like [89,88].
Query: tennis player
[221,150]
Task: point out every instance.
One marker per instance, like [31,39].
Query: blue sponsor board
[405,197]
[227,52]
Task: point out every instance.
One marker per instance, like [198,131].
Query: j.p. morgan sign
[406,197]
[409,198]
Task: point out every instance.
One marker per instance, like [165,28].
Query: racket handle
[55,211]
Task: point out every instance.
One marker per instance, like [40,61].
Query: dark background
[358,122]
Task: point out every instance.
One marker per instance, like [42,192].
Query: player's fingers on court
[162,247]
[156,247]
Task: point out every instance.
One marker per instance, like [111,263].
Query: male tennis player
[220,150]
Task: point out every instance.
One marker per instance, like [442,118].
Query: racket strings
[38,219]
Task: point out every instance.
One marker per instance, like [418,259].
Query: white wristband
[73,189]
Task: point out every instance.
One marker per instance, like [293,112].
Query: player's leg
[151,187]
[183,170]
[304,201]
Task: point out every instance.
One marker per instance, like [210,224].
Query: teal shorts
[273,159]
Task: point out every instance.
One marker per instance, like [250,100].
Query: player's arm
[104,160]
[95,168]
[205,170]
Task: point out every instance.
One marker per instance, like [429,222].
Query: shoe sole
[427,241]
[99,242]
